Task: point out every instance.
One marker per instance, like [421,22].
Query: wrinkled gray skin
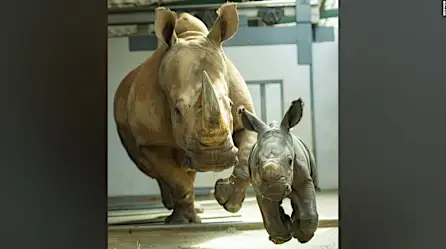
[281,166]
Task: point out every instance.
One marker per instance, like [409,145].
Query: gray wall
[325,85]
[256,63]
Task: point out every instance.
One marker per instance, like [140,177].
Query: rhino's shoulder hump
[187,22]
[238,92]
[148,110]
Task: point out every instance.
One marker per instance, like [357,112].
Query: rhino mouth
[211,159]
[275,191]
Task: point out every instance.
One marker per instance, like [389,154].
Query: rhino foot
[229,194]
[182,217]
[168,204]
[280,239]
[198,208]
[304,231]
[282,234]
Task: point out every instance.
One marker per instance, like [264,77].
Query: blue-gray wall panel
[252,36]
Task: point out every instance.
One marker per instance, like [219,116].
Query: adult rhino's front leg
[305,218]
[276,222]
[231,192]
[166,194]
[178,181]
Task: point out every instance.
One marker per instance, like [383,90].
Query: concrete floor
[325,238]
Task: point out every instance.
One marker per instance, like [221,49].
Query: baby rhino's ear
[293,115]
[250,121]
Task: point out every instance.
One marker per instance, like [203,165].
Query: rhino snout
[274,191]
[211,160]
[271,172]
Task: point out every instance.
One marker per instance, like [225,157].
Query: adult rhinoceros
[174,112]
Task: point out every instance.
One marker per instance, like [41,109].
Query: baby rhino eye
[290,160]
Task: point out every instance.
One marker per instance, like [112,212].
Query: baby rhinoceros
[280,166]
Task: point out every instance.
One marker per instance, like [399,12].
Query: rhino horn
[209,102]
[212,121]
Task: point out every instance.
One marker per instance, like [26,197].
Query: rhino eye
[290,161]
[177,111]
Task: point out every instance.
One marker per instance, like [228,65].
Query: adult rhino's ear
[165,21]
[250,121]
[226,24]
[293,115]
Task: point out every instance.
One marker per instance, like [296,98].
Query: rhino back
[239,94]
[146,110]
[304,155]
[121,97]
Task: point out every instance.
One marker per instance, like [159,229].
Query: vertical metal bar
[304,43]
[282,98]
[313,122]
[243,21]
[305,56]
[263,102]
[304,31]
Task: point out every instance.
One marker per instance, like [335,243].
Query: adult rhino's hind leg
[179,182]
[231,192]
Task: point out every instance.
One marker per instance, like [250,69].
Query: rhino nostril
[187,162]
[271,172]
[288,190]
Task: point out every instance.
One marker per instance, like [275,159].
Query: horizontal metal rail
[209,227]
[145,17]
[240,5]
[144,14]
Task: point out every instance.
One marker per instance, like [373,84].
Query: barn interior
[284,49]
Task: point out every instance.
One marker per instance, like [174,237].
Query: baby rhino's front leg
[276,222]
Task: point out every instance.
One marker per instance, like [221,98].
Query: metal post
[305,53]
[304,32]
